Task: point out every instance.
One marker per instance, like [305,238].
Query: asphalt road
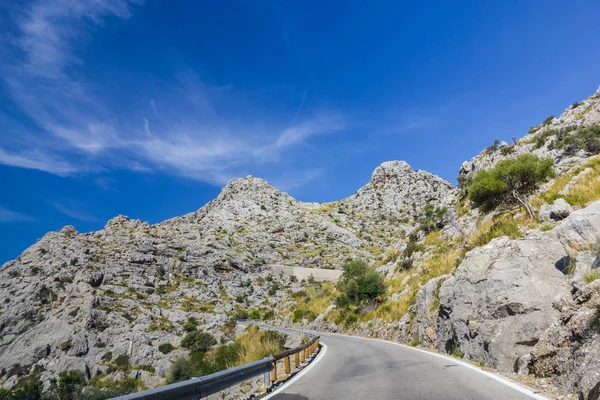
[357,368]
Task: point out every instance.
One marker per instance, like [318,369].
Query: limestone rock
[582,229]
[499,300]
[557,211]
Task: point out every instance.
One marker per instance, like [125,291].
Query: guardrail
[197,388]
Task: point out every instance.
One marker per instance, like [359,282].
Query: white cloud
[188,128]
[73,211]
[7,215]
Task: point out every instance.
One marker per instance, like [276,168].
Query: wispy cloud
[73,211]
[7,215]
[188,128]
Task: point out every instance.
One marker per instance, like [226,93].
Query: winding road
[359,368]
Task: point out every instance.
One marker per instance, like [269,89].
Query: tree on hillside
[359,282]
[510,182]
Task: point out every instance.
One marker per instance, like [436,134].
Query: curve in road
[360,368]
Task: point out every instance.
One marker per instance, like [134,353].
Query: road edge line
[506,381]
[299,374]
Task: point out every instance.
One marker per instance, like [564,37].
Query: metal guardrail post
[267,379]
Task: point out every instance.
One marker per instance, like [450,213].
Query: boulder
[499,300]
[581,229]
[557,211]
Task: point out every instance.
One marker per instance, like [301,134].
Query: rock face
[499,300]
[77,301]
[581,229]
[396,190]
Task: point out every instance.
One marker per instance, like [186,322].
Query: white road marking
[523,389]
[300,374]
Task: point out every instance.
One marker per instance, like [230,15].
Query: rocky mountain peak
[396,190]
[248,187]
[390,170]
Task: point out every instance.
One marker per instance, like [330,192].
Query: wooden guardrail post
[302,355]
[274,372]
[286,363]
[297,359]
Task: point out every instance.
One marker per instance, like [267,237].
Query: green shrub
[268,315]
[107,356]
[166,348]
[198,342]
[432,218]
[241,314]
[27,388]
[181,370]
[190,325]
[359,282]
[65,346]
[227,356]
[254,314]
[456,352]
[300,314]
[69,386]
[510,182]
[587,139]
[122,362]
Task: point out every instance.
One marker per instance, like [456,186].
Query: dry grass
[315,298]
[435,238]
[501,225]
[257,344]
[443,261]
[591,275]
[584,191]
[391,256]
[587,189]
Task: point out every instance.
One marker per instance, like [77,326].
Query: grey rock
[499,300]
[559,210]
[582,229]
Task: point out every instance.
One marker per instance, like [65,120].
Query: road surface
[358,368]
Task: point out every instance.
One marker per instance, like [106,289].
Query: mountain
[72,298]
[494,286]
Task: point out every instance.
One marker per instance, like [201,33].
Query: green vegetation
[587,139]
[510,182]
[456,352]
[582,192]
[359,283]
[591,275]
[70,385]
[166,348]
[432,218]
[501,225]
[190,325]
[253,345]
[198,342]
[122,362]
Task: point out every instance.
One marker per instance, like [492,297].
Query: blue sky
[146,109]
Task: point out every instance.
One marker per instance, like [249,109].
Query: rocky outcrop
[540,140]
[556,211]
[499,300]
[396,190]
[582,229]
